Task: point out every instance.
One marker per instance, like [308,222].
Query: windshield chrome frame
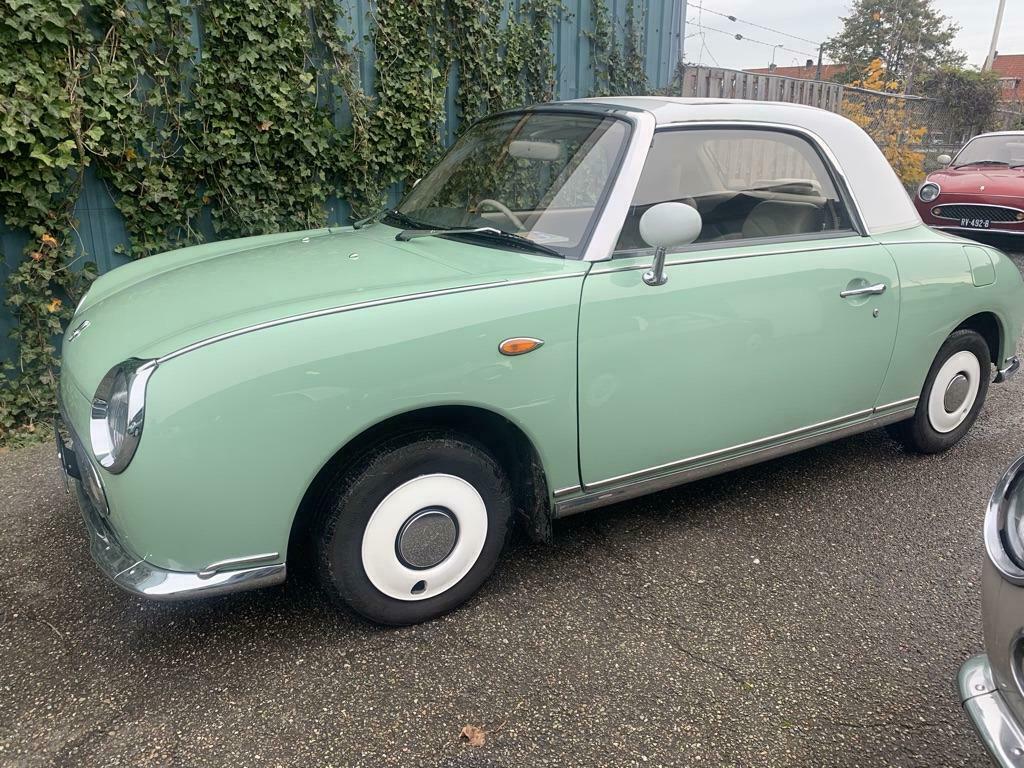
[610,212]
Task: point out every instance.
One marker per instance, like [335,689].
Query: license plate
[976,223]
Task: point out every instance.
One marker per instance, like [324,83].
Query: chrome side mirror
[944,159]
[664,226]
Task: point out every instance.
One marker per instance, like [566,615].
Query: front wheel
[953,395]
[414,528]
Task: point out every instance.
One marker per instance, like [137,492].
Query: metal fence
[926,125]
[101,229]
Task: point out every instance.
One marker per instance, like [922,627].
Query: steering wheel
[503,210]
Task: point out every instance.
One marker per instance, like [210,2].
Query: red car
[981,190]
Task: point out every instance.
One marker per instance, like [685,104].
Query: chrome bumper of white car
[1000,731]
[131,572]
[1010,366]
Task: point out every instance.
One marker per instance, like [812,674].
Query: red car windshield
[993,150]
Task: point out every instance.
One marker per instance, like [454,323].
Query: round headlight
[929,191]
[118,412]
[1004,524]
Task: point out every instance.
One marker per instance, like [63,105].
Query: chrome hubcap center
[427,538]
[956,393]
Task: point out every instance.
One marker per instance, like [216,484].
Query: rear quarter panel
[938,294]
[236,431]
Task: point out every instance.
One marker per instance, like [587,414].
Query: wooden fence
[716,82]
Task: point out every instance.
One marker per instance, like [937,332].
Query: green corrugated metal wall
[101,228]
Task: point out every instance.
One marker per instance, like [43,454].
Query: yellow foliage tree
[887,120]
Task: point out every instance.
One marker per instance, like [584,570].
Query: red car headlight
[929,191]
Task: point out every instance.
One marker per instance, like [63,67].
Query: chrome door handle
[869,290]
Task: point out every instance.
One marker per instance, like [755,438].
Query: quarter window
[746,184]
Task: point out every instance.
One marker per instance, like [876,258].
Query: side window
[744,183]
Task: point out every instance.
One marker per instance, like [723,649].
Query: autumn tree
[909,37]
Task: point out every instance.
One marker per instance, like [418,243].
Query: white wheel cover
[380,560]
[961,363]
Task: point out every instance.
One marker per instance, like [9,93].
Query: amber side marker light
[518,346]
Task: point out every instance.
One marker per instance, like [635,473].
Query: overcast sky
[817,20]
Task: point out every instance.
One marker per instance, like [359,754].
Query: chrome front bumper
[133,573]
[1010,366]
[1000,731]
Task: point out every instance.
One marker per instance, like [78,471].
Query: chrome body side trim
[995,523]
[139,577]
[642,482]
[992,229]
[1011,366]
[715,255]
[1000,732]
[831,161]
[359,305]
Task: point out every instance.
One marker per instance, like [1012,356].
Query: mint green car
[581,303]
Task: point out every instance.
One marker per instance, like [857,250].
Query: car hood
[161,304]
[969,180]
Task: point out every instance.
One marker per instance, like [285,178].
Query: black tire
[918,433]
[346,509]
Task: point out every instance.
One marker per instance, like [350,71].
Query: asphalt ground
[812,611]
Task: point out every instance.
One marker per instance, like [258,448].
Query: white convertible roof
[884,203]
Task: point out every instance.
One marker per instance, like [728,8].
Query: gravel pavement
[812,611]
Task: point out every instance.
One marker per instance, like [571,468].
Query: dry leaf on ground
[473,735]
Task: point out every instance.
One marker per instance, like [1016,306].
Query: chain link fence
[918,124]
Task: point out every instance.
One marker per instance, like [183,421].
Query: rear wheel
[953,395]
[414,528]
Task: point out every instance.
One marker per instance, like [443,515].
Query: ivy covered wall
[130,127]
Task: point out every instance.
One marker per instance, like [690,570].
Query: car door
[749,342]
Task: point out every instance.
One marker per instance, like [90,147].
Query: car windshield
[539,175]
[992,150]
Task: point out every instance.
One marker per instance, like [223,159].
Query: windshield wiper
[393,213]
[493,233]
[980,162]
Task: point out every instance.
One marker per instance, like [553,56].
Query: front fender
[236,431]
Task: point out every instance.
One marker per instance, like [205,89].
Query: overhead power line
[744,38]
[730,17]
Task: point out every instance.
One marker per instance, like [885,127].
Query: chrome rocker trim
[999,730]
[666,476]
[1010,368]
[144,579]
